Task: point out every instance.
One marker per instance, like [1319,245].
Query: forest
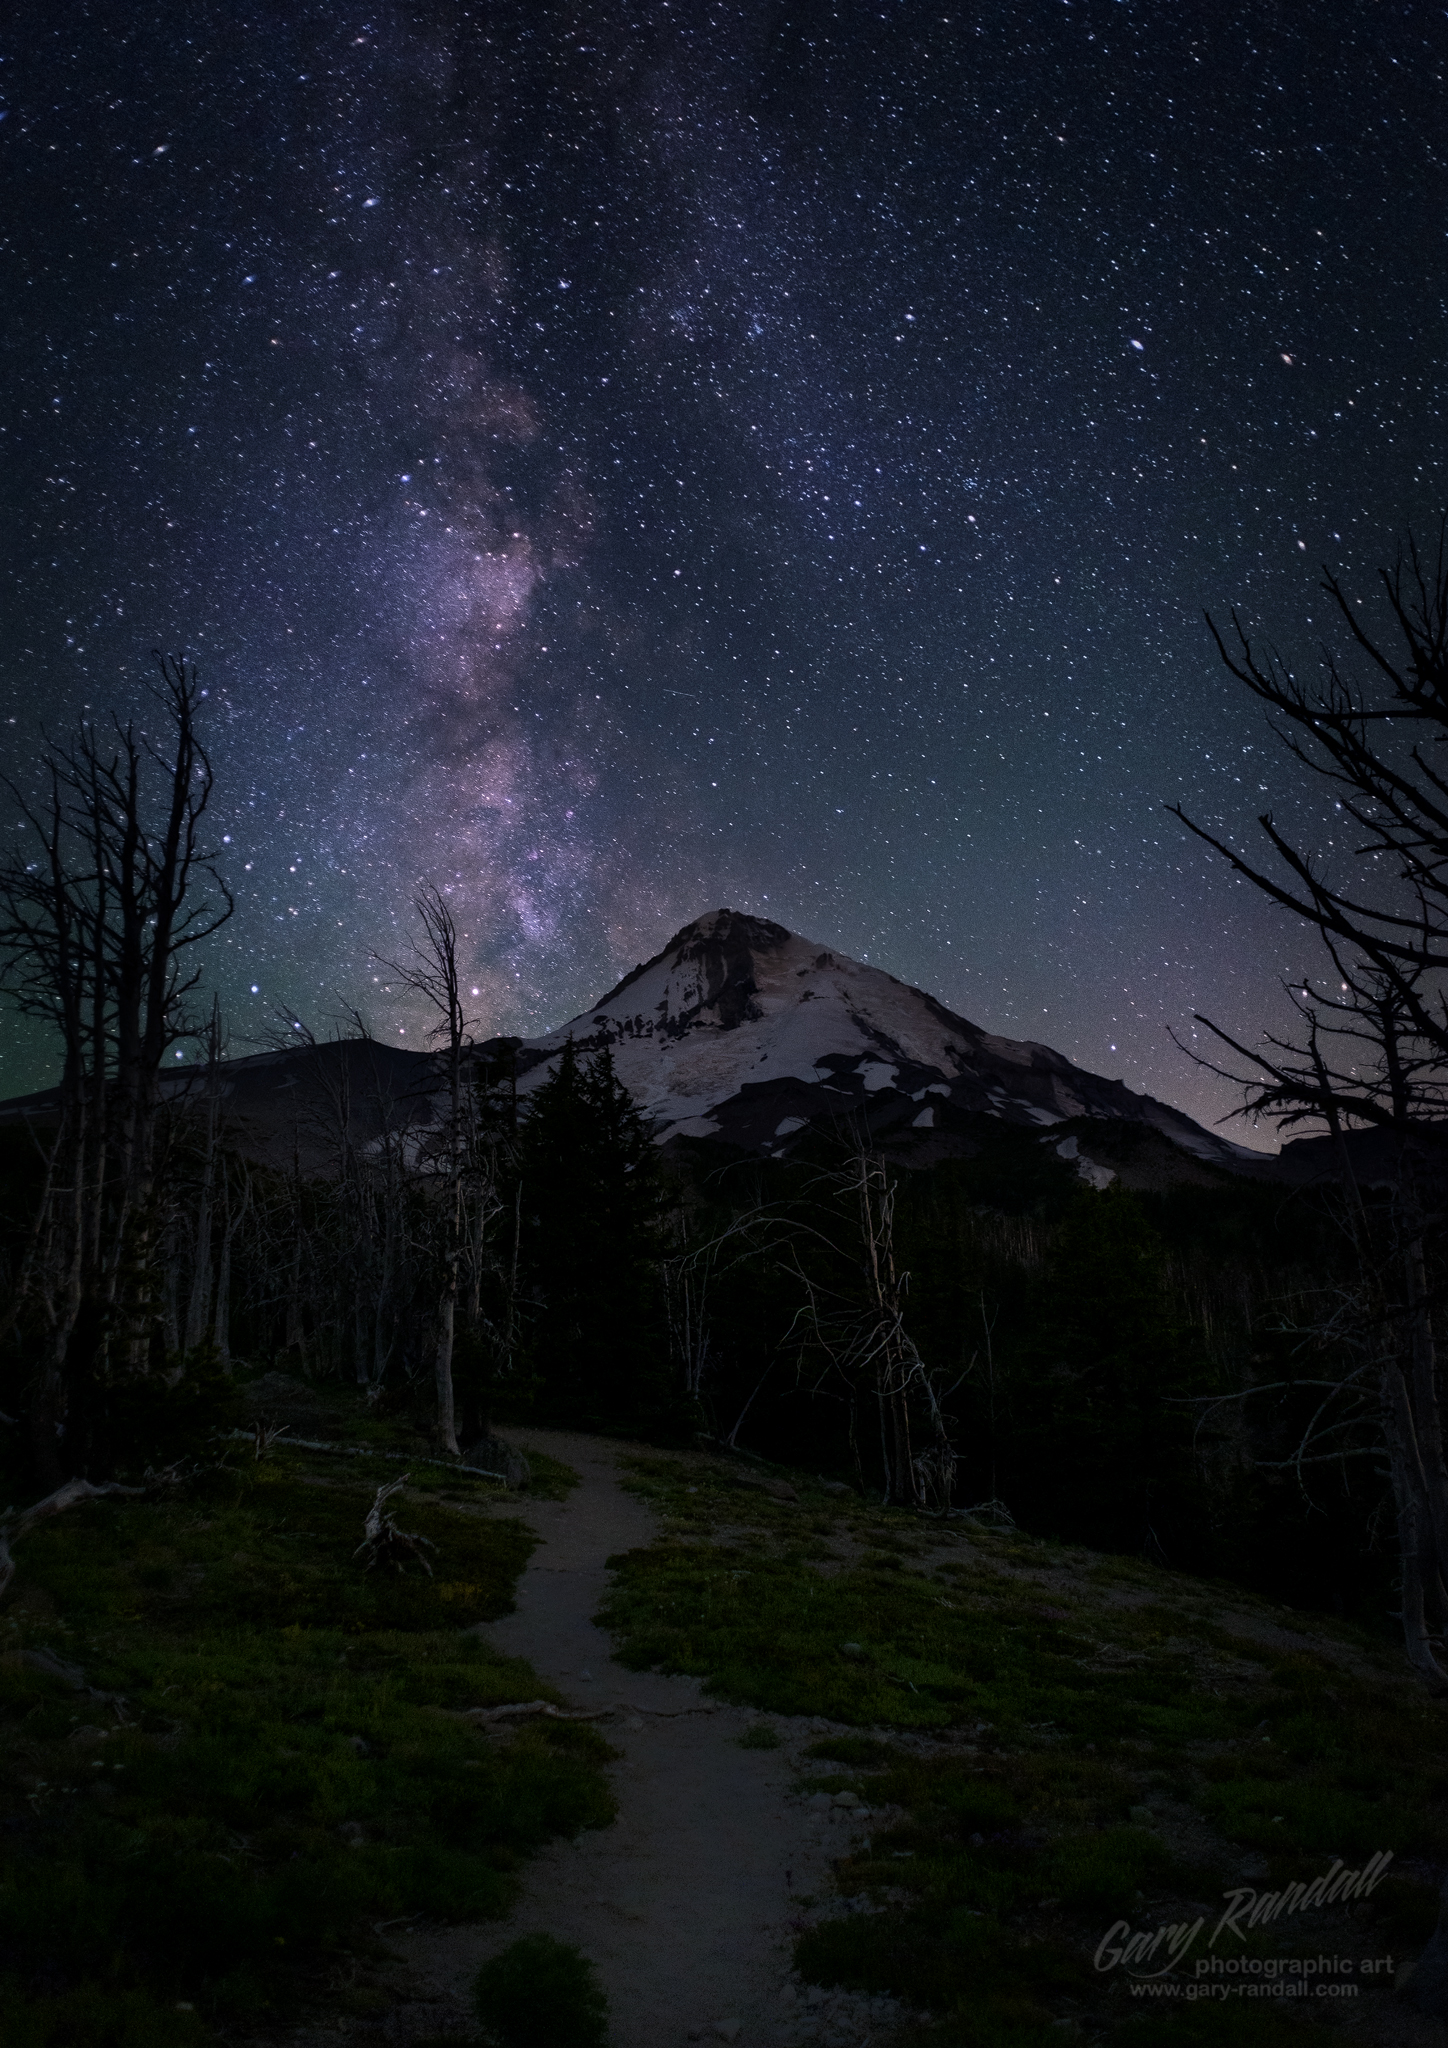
[987,1336]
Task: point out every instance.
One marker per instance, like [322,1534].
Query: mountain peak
[722,946]
[741,1029]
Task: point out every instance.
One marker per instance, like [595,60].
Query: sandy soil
[689,1902]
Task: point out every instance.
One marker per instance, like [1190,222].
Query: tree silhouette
[1369,1042]
[591,1203]
[102,904]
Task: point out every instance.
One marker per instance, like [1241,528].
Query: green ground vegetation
[541,1993]
[1050,1740]
[231,1755]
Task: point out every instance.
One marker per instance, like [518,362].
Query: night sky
[614,461]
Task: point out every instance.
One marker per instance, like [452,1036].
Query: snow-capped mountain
[742,1030]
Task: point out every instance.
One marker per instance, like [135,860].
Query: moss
[273,1546]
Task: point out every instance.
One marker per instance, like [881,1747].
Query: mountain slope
[742,1030]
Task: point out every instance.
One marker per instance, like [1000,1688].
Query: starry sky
[612,461]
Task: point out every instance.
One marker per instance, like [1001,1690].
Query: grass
[257,1754]
[1048,1740]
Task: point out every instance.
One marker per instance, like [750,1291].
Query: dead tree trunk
[99,909]
[433,973]
[895,1362]
[1421,1589]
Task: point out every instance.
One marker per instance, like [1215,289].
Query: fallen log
[527,1708]
[306,1443]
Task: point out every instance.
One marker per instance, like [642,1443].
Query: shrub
[541,1993]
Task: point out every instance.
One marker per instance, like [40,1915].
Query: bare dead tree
[432,972]
[689,1275]
[855,1324]
[339,1244]
[1357,1061]
[237,1197]
[102,904]
[199,1303]
[493,1232]
[1368,1045]
[906,1398]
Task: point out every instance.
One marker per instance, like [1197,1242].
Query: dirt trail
[685,1903]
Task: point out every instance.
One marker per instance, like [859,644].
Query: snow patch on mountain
[741,1029]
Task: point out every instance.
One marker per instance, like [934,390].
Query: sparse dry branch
[306,1443]
[384,1542]
[105,893]
[266,1433]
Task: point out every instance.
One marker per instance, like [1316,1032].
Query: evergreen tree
[592,1200]
[1102,1436]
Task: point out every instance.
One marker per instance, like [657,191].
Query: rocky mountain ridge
[741,1030]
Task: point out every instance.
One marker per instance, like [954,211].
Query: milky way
[612,462]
